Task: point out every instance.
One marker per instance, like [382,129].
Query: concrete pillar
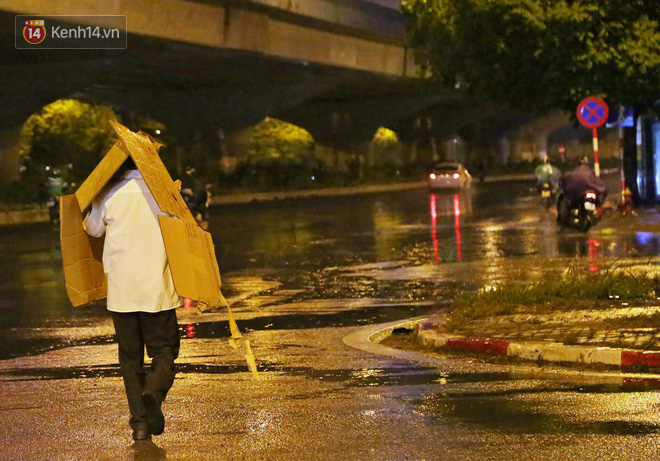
[9,159]
[542,142]
[504,150]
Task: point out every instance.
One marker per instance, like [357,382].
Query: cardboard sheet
[101,175]
[192,259]
[81,256]
[144,153]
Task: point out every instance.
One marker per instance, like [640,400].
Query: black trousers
[159,332]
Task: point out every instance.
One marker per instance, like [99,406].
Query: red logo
[34,31]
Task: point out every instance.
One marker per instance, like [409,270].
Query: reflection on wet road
[300,275]
[398,248]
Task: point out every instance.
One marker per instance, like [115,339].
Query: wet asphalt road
[302,275]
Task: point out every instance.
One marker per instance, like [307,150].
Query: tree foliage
[541,53]
[280,155]
[67,132]
[386,146]
[273,138]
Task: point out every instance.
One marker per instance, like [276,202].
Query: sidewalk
[617,337]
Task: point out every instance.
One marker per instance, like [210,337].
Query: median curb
[539,351]
[12,218]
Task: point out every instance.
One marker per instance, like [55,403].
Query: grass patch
[576,288]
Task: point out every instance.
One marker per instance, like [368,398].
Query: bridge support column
[9,159]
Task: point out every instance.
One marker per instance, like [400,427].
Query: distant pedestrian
[141,295]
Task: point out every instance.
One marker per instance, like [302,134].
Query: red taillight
[432,176]
[591,196]
[456,175]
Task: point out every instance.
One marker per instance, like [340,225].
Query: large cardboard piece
[191,255]
[81,256]
[101,175]
[143,150]
[189,249]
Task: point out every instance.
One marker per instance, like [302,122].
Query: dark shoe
[141,434]
[154,417]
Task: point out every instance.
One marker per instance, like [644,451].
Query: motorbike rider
[575,184]
[547,173]
[56,186]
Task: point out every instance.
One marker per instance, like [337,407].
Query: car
[449,175]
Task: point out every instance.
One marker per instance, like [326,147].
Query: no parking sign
[592,112]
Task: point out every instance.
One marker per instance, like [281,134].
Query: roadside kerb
[539,351]
[368,338]
[233,199]
[386,332]
[11,218]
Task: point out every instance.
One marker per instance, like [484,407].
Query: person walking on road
[141,295]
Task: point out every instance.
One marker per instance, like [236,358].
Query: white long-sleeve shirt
[134,257]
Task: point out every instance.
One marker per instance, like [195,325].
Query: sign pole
[596,162]
[620,133]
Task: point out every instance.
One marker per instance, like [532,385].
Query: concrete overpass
[268,53]
[356,35]
[206,65]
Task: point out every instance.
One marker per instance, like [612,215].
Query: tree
[541,54]
[386,147]
[279,155]
[273,138]
[66,132]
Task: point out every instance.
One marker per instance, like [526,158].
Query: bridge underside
[191,87]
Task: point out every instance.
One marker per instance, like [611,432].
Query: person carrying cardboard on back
[141,294]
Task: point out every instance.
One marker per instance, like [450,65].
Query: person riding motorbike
[547,173]
[56,186]
[575,184]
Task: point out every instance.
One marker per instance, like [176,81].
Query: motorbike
[547,195]
[193,203]
[54,210]
[580,214]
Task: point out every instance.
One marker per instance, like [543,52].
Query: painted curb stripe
[547,352]
[539,351]
[633,358]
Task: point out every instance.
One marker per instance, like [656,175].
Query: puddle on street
[20,347]
[368,377]
[543,410]
[56,373]
[113,371]
[16,346]
[302,320]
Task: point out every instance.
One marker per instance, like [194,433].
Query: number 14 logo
[34,31]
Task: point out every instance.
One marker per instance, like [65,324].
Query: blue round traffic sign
[592,112]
